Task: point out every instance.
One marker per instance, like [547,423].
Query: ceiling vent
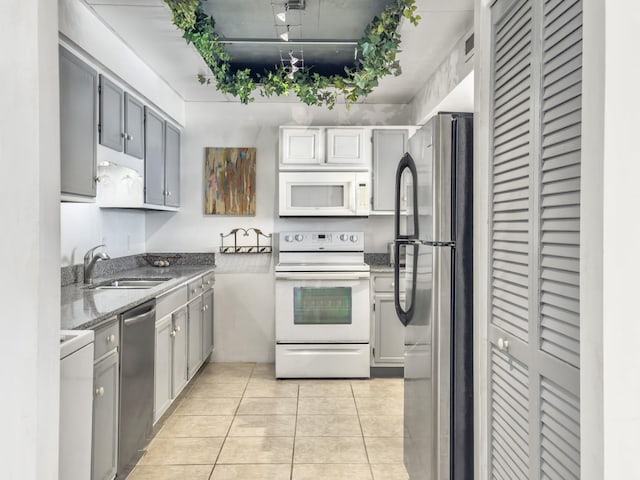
[295,5]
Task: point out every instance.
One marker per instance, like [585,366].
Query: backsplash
[74,273]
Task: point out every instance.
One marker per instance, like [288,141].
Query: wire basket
[161,260]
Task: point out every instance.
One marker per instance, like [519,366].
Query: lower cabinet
[184,338]
[179,351]
[195,336]
[163,367]
[105,417]
[387,348]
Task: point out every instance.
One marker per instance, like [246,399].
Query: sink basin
[128,283]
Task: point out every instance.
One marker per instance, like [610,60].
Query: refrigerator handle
[405,316]
[406,162]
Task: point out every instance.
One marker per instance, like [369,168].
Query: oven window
[322,306]
[311,196]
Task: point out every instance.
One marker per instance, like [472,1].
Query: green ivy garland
[378,48]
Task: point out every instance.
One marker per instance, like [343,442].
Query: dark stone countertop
[83,308]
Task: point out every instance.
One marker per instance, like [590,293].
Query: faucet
[90,261]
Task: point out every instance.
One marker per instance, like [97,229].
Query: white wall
[30,283]
[620,233]
[449,75]
[85,225]
[244,330]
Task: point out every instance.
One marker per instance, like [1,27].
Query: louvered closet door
[534,430]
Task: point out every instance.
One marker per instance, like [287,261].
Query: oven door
[322,307]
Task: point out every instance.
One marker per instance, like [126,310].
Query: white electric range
[322,306]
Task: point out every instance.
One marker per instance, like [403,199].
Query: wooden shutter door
[534,404]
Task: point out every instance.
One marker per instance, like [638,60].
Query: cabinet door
[78,90]
[133,127]
[345,146]
[389,332]
[195,336]
[154,158]
[179,351]
[172,166]
[302,146]
[162,368]
[388,148]
[207,323]
[105,418]
[111,101]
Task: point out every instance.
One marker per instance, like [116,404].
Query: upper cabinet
[154,191]
[302,146]
[305,148]
[95,110]
[389,145]
[78,89]
[133,127]
[111,102]
[172,166]
[162,161]
[121,120]
[345,146]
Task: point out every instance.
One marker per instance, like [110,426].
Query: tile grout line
[295,430]
[366,450]
[235,413]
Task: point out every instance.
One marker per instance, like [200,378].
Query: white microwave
[324,194]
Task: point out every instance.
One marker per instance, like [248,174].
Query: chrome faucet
[90,261]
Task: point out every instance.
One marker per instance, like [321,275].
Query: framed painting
[230,181]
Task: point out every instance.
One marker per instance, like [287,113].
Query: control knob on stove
[353,238]
[299,237]
[344,237]
[288,238]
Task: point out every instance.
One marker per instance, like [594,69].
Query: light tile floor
[236,422]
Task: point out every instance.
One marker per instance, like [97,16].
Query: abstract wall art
[230,181]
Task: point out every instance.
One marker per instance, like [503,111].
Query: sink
[128,283]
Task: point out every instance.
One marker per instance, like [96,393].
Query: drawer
[208,280]
[384,283]
[171,301]
[195,288]
[107,338]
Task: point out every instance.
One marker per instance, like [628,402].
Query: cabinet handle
[173,333]
[130,137]
[193,291]
[100,392]
[168,194]
[205,307]
[111,338]
[178,328]
[393,284]
[207,283]
[503,345]
[123,135]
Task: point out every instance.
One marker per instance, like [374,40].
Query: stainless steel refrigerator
[434,223]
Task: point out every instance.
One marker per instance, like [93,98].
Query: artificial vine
[377,58]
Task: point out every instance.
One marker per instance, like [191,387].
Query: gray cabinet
[195,336]
[179,351]
[207,323]
[111,105]
[388,148]
[154,187]
[106,400]
[172,166]
[78,89]
[162,367]
[387,331]
[133,127]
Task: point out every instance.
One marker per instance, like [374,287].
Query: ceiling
[162,47]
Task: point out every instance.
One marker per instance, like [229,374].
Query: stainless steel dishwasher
[137,347]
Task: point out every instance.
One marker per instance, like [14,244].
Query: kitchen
[34,218]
